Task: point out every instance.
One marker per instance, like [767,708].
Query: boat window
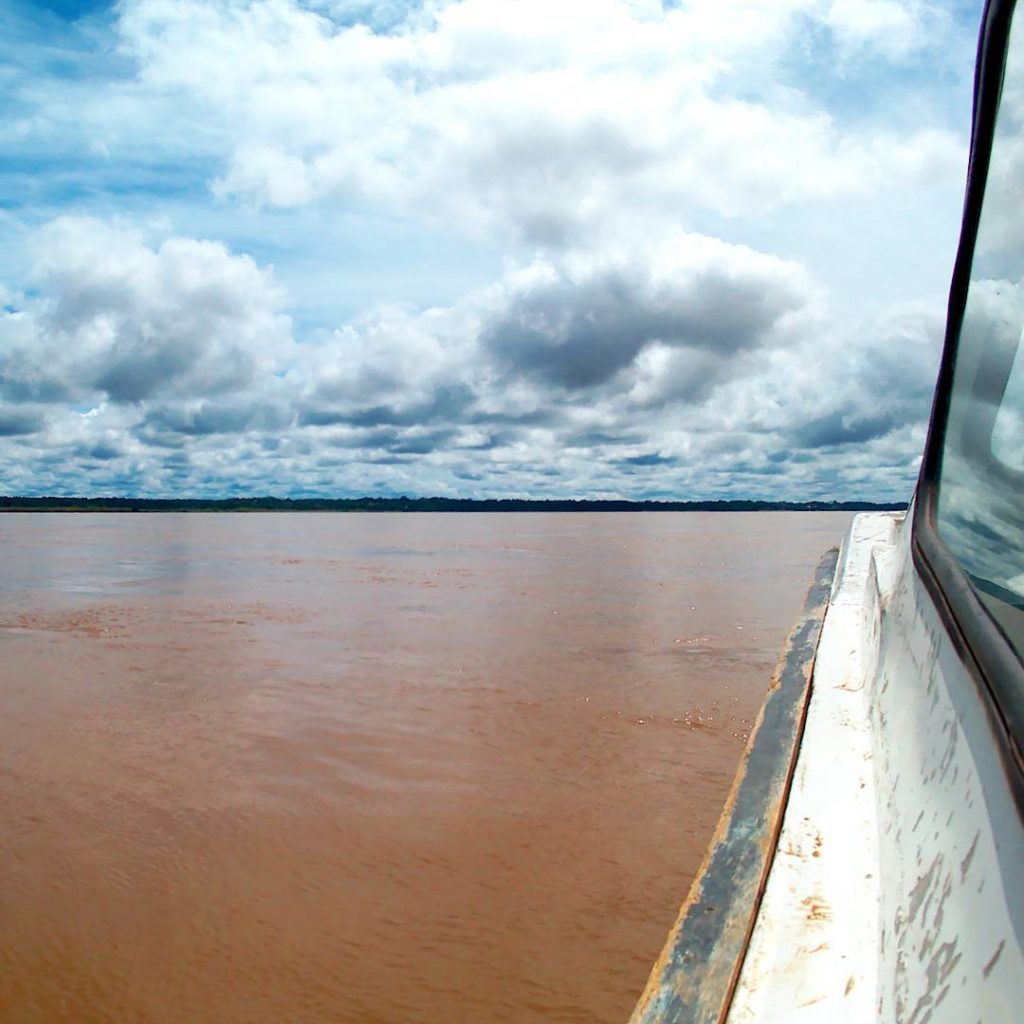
[980,509]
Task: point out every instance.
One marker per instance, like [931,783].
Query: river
[370,768]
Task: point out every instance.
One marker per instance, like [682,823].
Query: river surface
[378,769]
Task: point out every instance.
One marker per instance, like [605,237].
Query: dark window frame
[981,645]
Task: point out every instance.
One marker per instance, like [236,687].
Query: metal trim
[985,651]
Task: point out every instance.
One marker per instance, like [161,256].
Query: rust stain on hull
[693,980]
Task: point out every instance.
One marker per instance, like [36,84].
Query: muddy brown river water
[379,769]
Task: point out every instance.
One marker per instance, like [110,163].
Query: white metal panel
[820,912]
[899,877]
[951,842]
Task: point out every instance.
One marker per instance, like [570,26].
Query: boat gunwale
[695,976]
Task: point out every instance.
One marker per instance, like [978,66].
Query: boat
[869,863]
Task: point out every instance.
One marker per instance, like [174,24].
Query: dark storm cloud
[598,438]
[387,460]
[652,459]
[544,416]
[188,360]
[573,336]
[139,368]
[154,438]
[396,440]
[842,427]
[20,381]
[206,418]
[99,452]
[18,422]
[422,444]
[578,334]
[445,403]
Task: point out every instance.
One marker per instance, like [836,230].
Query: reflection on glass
[981,482]
[1008,431]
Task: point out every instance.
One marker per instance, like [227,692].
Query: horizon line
[433,503]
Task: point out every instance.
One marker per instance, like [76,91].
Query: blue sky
[485,248]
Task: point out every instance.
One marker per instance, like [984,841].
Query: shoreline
[433,504]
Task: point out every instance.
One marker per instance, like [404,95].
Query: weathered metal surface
[693,979]
[813,953]
[897,893]
[951,843]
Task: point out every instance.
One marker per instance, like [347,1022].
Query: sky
[484,248]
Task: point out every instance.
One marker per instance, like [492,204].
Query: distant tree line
[403,504]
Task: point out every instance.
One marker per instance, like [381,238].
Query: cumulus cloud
[15,422]
[520,355]
[691,361]
[580,324]
[125,322]
[537,124]
[668,194]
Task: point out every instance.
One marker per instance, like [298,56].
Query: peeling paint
[965,864]
[921,890]
[929,882]
[987,969]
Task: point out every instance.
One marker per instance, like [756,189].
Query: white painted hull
[897,885]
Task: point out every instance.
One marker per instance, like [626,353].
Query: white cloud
[129,322]
[587,320]
[891,27]
[715,221]
[709,365]
[537,123]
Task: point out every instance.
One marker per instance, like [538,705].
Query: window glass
[981,480]
[1008,431]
